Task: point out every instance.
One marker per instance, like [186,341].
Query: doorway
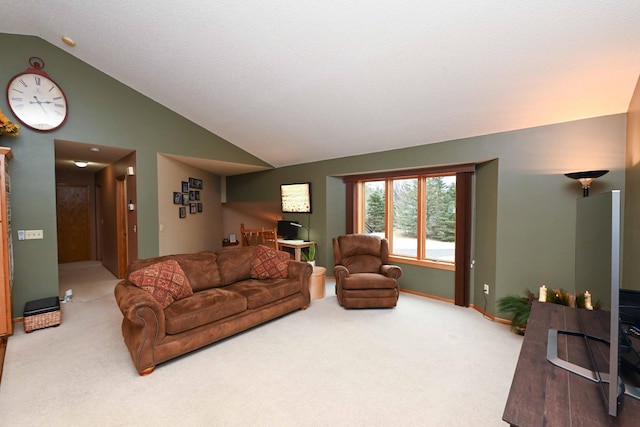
[90,231]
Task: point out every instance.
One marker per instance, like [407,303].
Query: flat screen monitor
[296,198]
[598,271]
[598,268]
[288,230]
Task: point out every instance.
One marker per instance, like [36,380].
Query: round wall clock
[36,100]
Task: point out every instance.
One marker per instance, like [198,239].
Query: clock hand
[40,103]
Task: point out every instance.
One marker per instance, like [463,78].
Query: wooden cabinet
[6,250]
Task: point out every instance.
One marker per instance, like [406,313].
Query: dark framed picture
[199,207]
[193,208]
[185,199]
[197,195]
[192,195]
[177,198]
[185,187]
[195,183]
[182,212]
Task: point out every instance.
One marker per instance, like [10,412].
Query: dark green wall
[524,191]
[525,206]
[485,233]
[101,111]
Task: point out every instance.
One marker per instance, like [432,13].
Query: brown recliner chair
[364,278]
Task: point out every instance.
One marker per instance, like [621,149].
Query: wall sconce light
[81,164]
[130,171]
[585,179]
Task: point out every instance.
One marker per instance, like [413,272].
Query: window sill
[423,263]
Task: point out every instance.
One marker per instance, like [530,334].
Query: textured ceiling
[326,79]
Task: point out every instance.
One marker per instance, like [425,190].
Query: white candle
[587,301]
[543,294]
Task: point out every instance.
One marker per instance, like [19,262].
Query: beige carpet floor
[424,363]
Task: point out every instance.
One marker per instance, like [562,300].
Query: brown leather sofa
[364,277]
[225,301]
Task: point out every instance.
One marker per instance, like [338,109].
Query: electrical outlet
[486,289]
[33,234]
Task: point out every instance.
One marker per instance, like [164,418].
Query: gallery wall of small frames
[189,197]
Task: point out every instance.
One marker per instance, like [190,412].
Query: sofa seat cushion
[165,280]
[202,308]
[263,292]
[368,281]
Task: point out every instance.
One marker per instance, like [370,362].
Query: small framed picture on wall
[182,212]
[199,207]
[195,183]
[185,186]
[193,208]
[177,198]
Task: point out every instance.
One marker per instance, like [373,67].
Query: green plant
[519,307]
[310,255]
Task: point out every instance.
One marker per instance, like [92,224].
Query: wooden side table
[316,282]
[296,245]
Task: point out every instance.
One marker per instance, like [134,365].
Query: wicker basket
[42,314]
[39,321]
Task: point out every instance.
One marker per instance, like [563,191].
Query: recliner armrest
[340,272]
[392,271]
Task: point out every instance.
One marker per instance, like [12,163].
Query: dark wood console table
[545,395]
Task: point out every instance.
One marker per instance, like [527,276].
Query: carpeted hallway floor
[424,363]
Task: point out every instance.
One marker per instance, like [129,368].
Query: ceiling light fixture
[66,40]
[81,164]
[94,149]
[585,179]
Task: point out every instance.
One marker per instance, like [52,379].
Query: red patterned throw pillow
[269,264]
[165,280]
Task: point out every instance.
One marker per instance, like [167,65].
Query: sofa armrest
[392,271]
[143,324]
[301,271]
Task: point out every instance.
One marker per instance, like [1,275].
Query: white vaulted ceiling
[294,81]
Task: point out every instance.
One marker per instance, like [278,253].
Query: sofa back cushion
[234,263]
[200,268]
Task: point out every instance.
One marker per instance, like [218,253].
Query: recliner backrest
[361,253]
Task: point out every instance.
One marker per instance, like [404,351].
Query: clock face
[37,101]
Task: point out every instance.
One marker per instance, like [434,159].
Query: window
[417,214]
[425,214]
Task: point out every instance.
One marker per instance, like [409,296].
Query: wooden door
[121,227]
[74,230]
